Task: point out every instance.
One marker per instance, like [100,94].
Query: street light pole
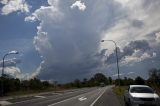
[117,60]
[2,76]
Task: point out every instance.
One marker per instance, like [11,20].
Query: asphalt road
[99,96]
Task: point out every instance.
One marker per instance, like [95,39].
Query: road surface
[98,96]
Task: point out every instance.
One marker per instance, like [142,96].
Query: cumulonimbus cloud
[69,41]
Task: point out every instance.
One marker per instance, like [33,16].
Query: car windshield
[141,90]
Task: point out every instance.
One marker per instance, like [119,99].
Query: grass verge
[156,88]
[119,91]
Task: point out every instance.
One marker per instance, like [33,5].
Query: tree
[35,84]
[45,84]
[154,76]
[85,82]
[25,85]
[139,81]
[110,80]
[125,81]
[100,78]
[77,83]
[92,82]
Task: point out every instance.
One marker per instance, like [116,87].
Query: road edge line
[97,98]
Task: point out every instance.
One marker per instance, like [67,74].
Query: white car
[141,95]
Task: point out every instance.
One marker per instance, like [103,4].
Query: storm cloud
[142,46]
[68,39]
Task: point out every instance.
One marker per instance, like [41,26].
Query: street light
[116,58]
[11,52]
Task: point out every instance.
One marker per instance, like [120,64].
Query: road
[98,96]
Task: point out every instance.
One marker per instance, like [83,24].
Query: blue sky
[16,34]
[60,40]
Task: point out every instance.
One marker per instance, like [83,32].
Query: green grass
[119,90]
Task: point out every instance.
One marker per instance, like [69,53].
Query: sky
[60,40]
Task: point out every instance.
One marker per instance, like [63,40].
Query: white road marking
[40,96]
[4,103]
[98,98]
[36,99]
[82,98]
[70,98]
[64,100]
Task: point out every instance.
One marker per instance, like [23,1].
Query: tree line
[14,84]
[153,80]
[99,79]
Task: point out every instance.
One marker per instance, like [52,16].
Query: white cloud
[55,14]
[79,5]
[30,18]
[15,72]
[13,6]
[36,73]
[10,62]
[11,69]
[54,3]
[139,19]
[116,75]
[123,74]
[137,56]
[130,73]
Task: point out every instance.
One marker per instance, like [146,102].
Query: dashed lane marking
[40,96]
